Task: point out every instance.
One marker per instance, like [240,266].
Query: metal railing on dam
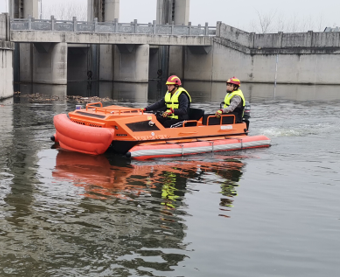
[31,24]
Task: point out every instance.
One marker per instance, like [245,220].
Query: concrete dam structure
[293,58]
[55,51]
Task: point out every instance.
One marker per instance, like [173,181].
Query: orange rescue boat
[137,134]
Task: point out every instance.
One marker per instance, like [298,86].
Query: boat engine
[246,114]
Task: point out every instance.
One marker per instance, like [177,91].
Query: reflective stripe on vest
[172,101]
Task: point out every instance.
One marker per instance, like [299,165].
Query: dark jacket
[182,111]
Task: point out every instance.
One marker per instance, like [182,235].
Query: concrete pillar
[25,62]
[182,9]
[6,58]
[131,63]
[199,63]
[111,10]
[106,62]
[176,60]
[104,10]
[23,65]
[153,64]
[176,11]
[50,63]
[6,69]
[23,8]
[168,12]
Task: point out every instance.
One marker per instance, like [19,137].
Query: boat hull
[180,149]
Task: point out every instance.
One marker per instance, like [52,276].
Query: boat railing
[189,123]
[119,111]
[212,119]
[90,105]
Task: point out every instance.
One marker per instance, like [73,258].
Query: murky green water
[261,212]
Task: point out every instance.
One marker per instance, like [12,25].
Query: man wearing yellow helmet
[234,101]
[176,102]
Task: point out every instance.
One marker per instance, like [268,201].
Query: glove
[218,113]
[168,113]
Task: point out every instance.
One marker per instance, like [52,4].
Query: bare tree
[281,24]
[66,12]
[266,21]
[295,23]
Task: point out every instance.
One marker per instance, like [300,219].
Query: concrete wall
[280,40]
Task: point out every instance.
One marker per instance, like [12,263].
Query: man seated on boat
[234,101]
[176,102]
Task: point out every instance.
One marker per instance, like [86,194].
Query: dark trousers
[167,122]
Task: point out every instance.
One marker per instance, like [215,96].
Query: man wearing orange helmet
[176,102]
[234,101]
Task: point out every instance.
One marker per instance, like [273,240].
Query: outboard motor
[246,114]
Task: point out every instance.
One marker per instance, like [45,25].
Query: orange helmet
[173,80]
[234,81]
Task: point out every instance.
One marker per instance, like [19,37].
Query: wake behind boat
[137,134]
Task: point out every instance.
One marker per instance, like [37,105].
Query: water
[260,212]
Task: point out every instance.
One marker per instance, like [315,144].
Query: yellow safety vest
[229,95]
[171,101]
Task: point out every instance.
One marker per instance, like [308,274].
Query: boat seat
[194,114]
[216,121]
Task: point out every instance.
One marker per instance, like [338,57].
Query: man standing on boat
[234,101]
[176,102]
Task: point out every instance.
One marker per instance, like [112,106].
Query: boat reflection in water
[103,177]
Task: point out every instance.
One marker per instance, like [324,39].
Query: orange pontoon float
[137,134]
